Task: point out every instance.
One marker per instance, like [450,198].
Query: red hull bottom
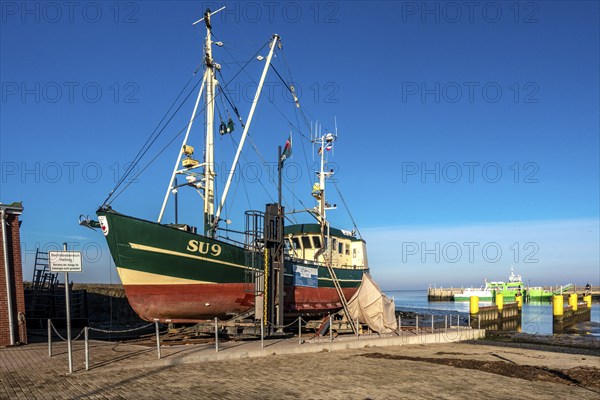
[194,303]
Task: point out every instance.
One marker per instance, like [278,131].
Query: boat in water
[178,273]
[514,287]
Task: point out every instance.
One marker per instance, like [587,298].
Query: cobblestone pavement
[125,371]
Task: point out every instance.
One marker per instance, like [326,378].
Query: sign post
[66,261]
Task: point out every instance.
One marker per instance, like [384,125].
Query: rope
[122,330]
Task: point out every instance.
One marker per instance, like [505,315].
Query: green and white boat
[489,291]
[510,289]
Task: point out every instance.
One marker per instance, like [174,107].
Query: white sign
[65,261]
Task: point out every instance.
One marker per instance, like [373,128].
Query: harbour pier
[575,311]
[501,316]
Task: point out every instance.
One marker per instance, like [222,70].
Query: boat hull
[171,275]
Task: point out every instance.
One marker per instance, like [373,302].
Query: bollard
[217,334]
[157,339]
[399,325]
[458,320]
[87,347]
[431,323]
[330,328]
[519,300]
[417,324]
[299,330]
[262,331]
[557,305]
[573,301]
[469,320]
[445,322]
[588,301]
[500,302]
[473,305]
[49,338]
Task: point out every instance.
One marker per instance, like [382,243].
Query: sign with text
[65,261]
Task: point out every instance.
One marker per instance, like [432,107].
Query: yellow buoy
[474,304]
[588,300]
[519,300]
[557,305]
[573,301]
[500,301]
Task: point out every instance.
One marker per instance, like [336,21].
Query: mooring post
[357,335]
[330,328]
[262,331]
[469,319]
[458,320]
[49,337]
[299,330]
[417,324]
[157,338]
[478,322]
[217,334]
[399,325]
[445,323]
[87,347]
[431,323]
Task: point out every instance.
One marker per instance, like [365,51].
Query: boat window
[317,242]
[347,249]
[306,242]
[295,243]
[334,241]
[354,253]
[341,248]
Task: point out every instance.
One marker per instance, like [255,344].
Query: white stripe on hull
[133,277]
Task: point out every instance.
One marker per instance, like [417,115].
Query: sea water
[536,317]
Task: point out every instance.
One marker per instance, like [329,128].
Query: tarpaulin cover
[372,307]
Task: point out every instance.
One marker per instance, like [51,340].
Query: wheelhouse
[305,242]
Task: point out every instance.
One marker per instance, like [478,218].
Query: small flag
[320,150]
[329,146]
[287,149]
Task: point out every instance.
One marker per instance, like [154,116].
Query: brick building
[12,299]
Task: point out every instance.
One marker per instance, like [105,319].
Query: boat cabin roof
[316,229]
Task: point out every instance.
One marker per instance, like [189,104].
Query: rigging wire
[150,141]
[347,208]
[138,159]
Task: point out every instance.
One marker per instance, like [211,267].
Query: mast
[325,143]
[209,174]
[208,165]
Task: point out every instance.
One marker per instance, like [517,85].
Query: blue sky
[468,132]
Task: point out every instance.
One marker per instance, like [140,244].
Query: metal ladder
[43,279]
[336,283]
